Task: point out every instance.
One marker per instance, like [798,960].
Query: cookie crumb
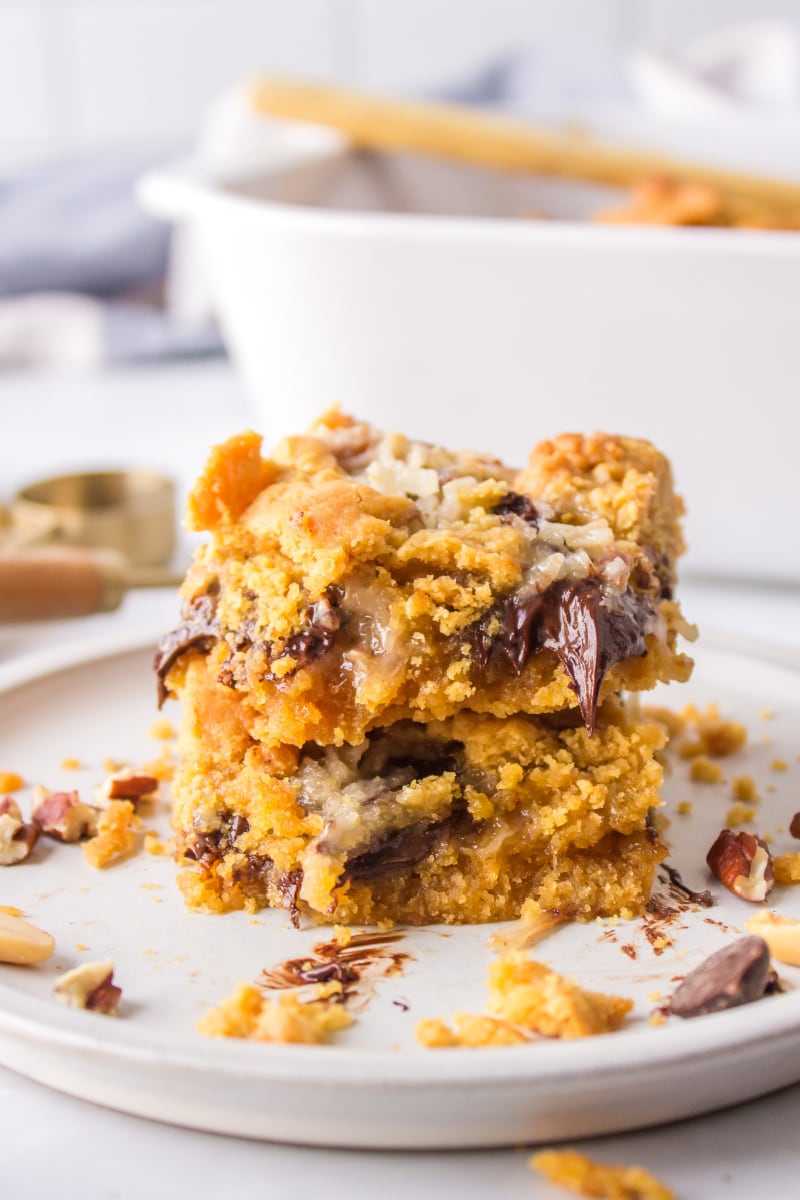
[739,814]
[582,1175]
[715,736]
[250,1015]
[787,867]
[525,997]
[10,781]
[162,730]
[154,845]
[743,787]
[116,834]
[703,770]
[779,764]
[684,808]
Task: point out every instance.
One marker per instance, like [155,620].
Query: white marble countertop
[53,1145]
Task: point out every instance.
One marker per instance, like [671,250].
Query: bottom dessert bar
[461,820]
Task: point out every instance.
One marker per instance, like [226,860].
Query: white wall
[77,73]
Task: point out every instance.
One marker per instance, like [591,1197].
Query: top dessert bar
[356,579]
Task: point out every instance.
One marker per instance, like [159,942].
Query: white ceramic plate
[375,1087]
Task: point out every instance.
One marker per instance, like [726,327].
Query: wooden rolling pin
[51,583]
[469,136]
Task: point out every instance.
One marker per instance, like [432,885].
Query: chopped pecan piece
[742,862]
[17,838]
[90,986]
[125,784]
[62,815]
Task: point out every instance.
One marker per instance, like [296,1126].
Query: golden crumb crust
[400,666]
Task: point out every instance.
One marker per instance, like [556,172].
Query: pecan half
[794,825]
[742,862]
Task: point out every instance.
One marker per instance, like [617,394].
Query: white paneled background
[87,73]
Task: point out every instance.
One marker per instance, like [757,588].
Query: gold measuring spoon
[76,543]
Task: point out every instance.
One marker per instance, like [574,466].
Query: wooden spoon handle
[470,136]
[51,583]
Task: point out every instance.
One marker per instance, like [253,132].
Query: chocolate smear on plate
[355,964]
[681,891]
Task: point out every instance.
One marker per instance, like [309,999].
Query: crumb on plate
[787,867]
[739,814]
[162,730]
[116,834]
[525,997]
[704,770]
[582,1175]
[713,735]
[249,1014]
[153,844]
[743,787]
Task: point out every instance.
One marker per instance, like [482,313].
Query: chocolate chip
[238,826]
[288,884]
[588,630]
[324,620]
[737,974]
[397,851]
[517,505]
[198,631]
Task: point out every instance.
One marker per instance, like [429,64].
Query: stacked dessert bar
[402,670]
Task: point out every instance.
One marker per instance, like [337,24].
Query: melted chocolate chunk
[737,974]
[204,848]
[238,826]
[588,631]
[518,505]
[324,622]
[208,846]
[288,884]
[198,631]
[396,851]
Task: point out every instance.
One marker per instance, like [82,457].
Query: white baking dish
[494,331]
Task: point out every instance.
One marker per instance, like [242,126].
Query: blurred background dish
[470,318]
[414,292]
